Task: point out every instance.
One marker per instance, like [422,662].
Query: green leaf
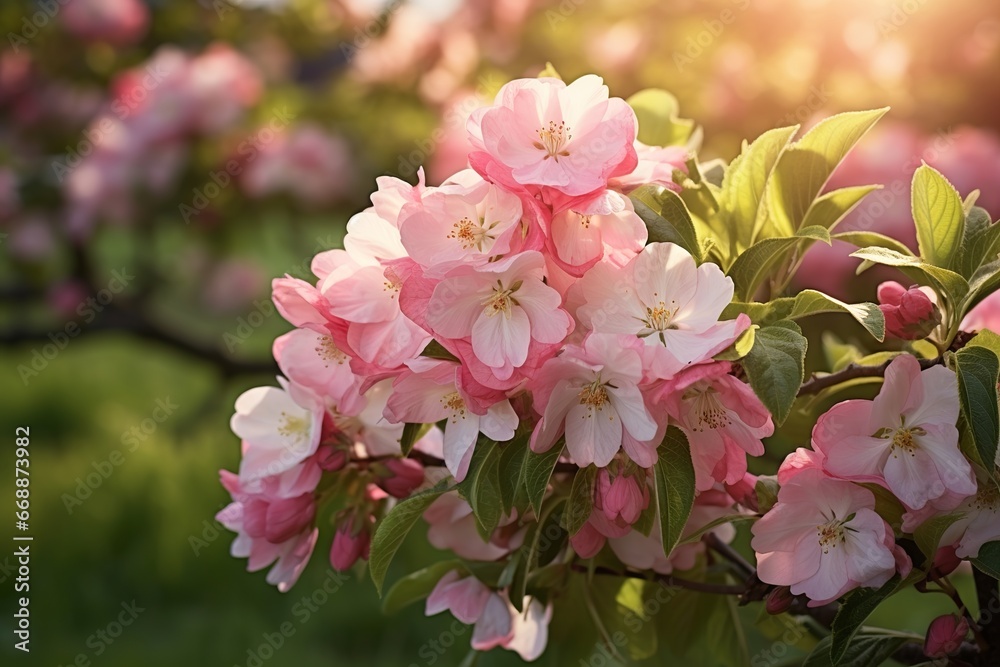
[981,243]
[537,540]
[810,302]
[659,124]
[667,218]
[776,366]
[759,260]
[435,350]
[829,209]
[393,528]
[675,487]
[805,167]
[741,347]
[481,486]
[865,650]
[987,339]
[988,560]
[928,534]
[978,372]
[417,586]
[581,500]
[536,473]
[744,184]
[409,437]
[708,527]
[512,456]
[940,221]
[947,283]
[869,239]
[856,608]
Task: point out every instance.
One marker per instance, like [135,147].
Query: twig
[730,554]
[818,383]
[667,580]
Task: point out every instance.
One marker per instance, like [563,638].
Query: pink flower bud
[587,542]
[402,478]
[945,635]
[330,458]
[909,313]
[745,491]
[348,546]
[779,600]
[946,561]
[288,517]
[623,498]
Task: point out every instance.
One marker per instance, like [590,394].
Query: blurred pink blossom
[117,22]
[312,165]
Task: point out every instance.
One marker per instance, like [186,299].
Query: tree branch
[818,383]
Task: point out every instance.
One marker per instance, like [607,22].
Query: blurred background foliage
[202,148]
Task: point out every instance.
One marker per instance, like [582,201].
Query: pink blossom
[270,528]
[504,308]
[977,524]
[656,165]
[905,439]
[571,138]
[909,313]
[663,298]
[823,538]
[621,497]
[465,221]
[117,22]
[722,418]
[645,552]
[986,315]
[496,622]
[945,635]
[429,391]
[281,428]
[799,460]
[581,238]
[313,360]
[305,161]
[453,528]
[591,393]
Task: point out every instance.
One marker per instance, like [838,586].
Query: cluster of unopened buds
[521,297]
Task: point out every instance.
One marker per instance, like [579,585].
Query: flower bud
[946,561]
[402,477]
[909,313]
[744,491]
[779,600]
[348,545]
[330,458]
[288,517]
[623,498]
[945,635]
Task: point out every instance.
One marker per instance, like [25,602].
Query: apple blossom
[823,538]
[663,298]
[909,313]
[591,393]
[906,439]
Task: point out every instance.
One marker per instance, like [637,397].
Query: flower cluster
[824,537]
[518,303]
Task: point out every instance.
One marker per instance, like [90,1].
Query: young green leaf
[978,372]
[988,560]
[417,585]
[865,650]
[873,239]
[481,486]
[981,243]
[667,218]
[411,432]
[776,366]
[948,283]
[928,534]
[856,608]
[581,500]
[810,302]
[938,214]
[536,473]
[512,456]
[744,183]
[659,124]
[675,488]
[805,167]
[829,209]
[394,527]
